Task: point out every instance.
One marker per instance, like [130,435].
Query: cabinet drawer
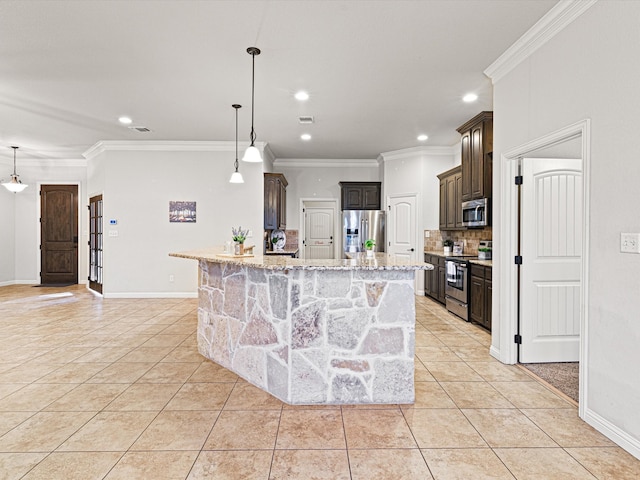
[477,270]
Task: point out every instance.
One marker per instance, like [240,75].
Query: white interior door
[319,232]
[401,227]
[551,249]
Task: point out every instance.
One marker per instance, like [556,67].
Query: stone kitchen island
[311,331]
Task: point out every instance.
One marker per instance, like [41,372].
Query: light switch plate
[630,242]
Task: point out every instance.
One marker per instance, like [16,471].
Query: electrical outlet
[113,233]
[427,234]
[171,278]
[630,242]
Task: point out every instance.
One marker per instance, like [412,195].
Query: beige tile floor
[115,389]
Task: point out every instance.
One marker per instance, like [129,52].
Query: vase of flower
[239,236]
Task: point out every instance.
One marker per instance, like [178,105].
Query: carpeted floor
[563,376]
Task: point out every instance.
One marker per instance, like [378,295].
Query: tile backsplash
[470,238]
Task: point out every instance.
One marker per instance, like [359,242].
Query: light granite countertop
[486,263]
[279,262]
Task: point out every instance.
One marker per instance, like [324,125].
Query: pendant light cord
[236,162]
[14,160]
[236,107]
[253,82]
[253,51]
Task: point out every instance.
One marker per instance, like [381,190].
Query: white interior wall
[320,182]
[581,75]
[414,171]
[26,252]
[138,185]
[7,234]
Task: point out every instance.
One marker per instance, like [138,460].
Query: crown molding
[553,22]
[326,162]
[167,146]
[418,152]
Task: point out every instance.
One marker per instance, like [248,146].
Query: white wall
[414,171]
[7,232]
[138,184]
[589,71]
[25,252]
[320,181]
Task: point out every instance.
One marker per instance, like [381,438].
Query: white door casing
[401,227]
[551,248]
[319,233]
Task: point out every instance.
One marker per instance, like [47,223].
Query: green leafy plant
[447,243]
[239,235]
[484,249]
[369,244]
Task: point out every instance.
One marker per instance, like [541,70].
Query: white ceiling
[379,72]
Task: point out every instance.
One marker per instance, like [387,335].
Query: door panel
[95,243]
[402,227]
[59,234]
[551,235]
[319,234]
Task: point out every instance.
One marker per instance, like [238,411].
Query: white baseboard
[30,282]
[151,295]
[615,434]
[19,282]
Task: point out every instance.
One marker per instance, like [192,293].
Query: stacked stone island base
[311,332]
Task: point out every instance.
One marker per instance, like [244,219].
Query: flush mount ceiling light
[301,96]
[14,185]
[470,97]
[252,154]
[422,137]
[305,136]
[125,120]
[236,177]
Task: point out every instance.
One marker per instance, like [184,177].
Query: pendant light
[236,177]
[252,154]
[14,185]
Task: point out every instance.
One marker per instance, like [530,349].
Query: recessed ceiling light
[302,96]
[422,137]
[125,120]
[305,136]
[470,97]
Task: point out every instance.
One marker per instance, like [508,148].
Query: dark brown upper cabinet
[451,199]
[477,151]
[360,195]
[275,201]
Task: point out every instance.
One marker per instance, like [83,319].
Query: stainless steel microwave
[475,213]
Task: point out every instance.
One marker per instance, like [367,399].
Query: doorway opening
[58,235]
[570,142]
[95,243]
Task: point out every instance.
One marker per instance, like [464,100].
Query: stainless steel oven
[457,287]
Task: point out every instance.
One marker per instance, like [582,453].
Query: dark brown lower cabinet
[434,280]
[480,295]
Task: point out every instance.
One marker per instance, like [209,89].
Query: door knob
[410,249]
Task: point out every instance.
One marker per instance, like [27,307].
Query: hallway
[115,389]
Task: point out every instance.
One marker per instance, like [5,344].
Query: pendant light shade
[236,177]
[14,185]
[252,154]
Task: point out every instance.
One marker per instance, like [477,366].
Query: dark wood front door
[59,234]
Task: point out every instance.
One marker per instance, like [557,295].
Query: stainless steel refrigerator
[360,225]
